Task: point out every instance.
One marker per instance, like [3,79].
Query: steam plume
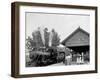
[41,29]
[50,38]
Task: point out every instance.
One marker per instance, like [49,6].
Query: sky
[64,24]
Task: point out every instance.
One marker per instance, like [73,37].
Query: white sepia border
[72,68]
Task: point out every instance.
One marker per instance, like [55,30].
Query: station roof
[78,38]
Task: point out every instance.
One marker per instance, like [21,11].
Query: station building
[78,42]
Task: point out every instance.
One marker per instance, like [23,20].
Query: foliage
[55,38]
[36,40]
[46,37]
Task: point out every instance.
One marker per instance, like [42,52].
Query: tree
[46,37]
[35,41]
[55,38]
[38,39]
[41,38]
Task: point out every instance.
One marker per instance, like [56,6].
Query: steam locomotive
[45,56]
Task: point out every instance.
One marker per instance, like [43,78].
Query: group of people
[69,59]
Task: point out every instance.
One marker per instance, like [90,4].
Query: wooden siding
[79,38]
